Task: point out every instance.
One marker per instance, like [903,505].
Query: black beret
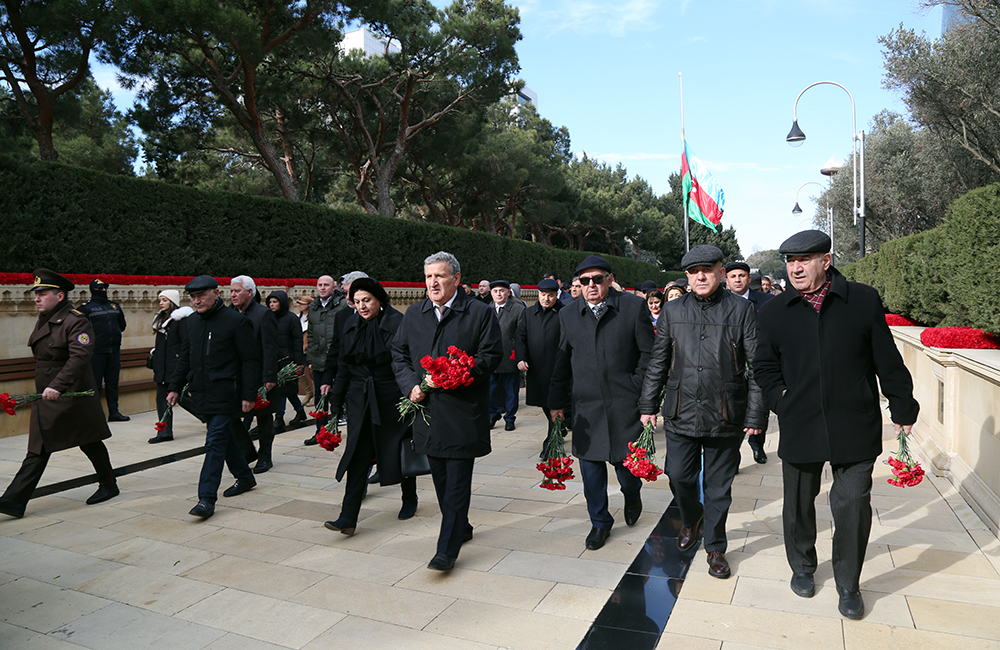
[500,283]
[594,262]
[46,279]
[371,286]
[806,242]
[200,284]
[681,282]
[738,265]
[703,255]
[548,285]
[648,285]
[98,284]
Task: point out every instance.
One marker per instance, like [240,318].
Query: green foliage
[945,276]
[114,224]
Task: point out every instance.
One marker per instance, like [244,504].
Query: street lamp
[797,209]
[796,137]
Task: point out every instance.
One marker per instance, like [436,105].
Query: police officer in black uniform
[108,320]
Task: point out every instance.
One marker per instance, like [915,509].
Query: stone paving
[263,573]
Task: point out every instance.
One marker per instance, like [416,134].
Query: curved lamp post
[796,137]
[797,209]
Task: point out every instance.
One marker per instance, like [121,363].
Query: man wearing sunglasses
[604,345]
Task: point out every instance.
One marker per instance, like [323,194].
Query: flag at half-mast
[704,196]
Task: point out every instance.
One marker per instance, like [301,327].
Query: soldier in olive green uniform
[62,344]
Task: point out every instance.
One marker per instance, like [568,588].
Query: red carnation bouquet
[641,452]
[161,424]
[967,338]
[327,439]
[261,401]
[320,413]
[907,472]
[290,372]
[446,373]
[10,402]
[556,466]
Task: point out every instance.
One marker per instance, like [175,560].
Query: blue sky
[608,71]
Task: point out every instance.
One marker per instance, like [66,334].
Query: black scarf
[368,348]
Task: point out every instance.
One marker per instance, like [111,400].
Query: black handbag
[411,461]
[149,361]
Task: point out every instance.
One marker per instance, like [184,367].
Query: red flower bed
[965,338]
[175,280]
[896,319]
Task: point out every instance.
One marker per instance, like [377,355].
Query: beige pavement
[139,572]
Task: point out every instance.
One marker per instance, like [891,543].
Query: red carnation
[959,338]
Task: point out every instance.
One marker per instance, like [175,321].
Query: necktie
[599,310]
[442,311]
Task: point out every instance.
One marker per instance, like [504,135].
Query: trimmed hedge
[947,276]
[80,221]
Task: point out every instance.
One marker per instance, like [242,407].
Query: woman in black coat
[289,351]
[168,348]
[366,381]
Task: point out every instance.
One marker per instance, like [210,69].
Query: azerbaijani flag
[705,198]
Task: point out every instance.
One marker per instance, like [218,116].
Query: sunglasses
[596,279]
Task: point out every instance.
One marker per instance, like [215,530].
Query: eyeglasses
[596,279]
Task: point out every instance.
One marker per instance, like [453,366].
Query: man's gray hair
[247,282]
[442,256]
[352,276]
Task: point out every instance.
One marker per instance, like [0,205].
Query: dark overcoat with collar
[599,369]
[63,345]
[512,311]
[459,419]
[818,372]
[536,342]
[372,395]
[758,298]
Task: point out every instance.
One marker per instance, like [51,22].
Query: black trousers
[107,366]
[26,479]
[161,407]
[357,478]
[851,503]
[453,485]
[722,459]
[595,489]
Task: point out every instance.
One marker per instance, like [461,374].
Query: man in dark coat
[242,291]
[705,341]
[289,341]
[823,351]
[604,345]
[738,283]
[62,344]
[108,321]
[536,342]
[505,382]
[320,333]
[220,362]
[459,419]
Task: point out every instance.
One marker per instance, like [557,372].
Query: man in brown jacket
[62,344]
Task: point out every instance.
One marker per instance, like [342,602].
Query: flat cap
[703,255]
[806,242]
[548,285]
[46,279]
[500,283]
[681,282]
[648,285]
[737,265]
[200,284]
[594,262]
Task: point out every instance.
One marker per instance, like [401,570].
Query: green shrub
[80,221]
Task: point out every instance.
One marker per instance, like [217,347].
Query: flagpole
[684,198]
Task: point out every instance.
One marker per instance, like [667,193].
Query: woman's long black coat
[372,395]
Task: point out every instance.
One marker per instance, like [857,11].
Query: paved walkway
[263,573]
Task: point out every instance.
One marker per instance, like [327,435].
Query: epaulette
[77,312]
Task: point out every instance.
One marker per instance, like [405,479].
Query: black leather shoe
[408,510]
[103,493]
[596,538]
[851,605]
[308,442]
[509,426]
[633,508]
[467,536]
[493,421]
[240,486]
[300,417]
[759,456]
[803,585]
[718,566]
[204,509]
[118,417]
[156,439]
[12,508]
[279,424]
[262,466]
[687,536]
[343,525]
[442,562]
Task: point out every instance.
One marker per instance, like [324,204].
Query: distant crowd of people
[708,356]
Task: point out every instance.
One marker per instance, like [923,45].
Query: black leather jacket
[701,354]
